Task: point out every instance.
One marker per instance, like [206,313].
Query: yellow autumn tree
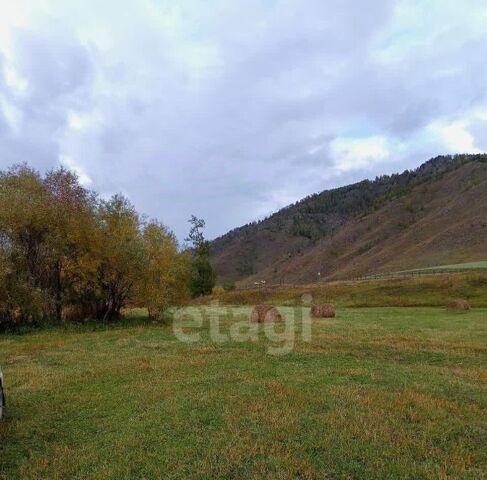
[164,280]
[65,254]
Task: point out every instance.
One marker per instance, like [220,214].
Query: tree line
[67,254]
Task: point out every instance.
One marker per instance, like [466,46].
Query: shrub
[218,290]
[229,286]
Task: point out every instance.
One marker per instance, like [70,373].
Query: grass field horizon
[422,291]
[455,266]
[376,393]
[479,266]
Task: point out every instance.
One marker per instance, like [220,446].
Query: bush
[229,286]
[218,290]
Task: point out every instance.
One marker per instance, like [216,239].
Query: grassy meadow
[456,266]
[480,266]
[376,393]
[424,291]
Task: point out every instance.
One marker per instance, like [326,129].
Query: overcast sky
[231,109]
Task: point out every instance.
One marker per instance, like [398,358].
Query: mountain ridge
[269,248]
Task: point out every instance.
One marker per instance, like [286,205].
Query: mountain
[434,214]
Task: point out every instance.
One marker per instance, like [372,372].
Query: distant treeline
[67,254]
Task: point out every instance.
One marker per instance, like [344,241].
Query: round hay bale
[458,304]
[259,312]
[324,310]
[273,315]
[265,313]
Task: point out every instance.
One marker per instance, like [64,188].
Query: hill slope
[432,215]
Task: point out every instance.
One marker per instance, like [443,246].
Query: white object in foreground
[2,396]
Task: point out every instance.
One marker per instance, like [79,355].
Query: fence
[374,276]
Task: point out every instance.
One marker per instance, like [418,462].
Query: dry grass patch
[458,304]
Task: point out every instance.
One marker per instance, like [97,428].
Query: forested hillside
[318,233]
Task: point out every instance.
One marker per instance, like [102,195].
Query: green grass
[456,266]
[378,393]
[439,269]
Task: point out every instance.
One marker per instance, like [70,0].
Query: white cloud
[13,15]
[78,120]
[357,153]
[17,84]
[12,114]
[69,163]
[455,136]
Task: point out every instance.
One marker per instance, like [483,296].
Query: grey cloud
[230,139]
[57,72]
[54,65]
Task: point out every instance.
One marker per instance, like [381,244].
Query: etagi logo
[223,324]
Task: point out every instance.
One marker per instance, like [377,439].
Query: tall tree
[26,217]
[121,256]
[203,277]
[164,281]
[71,237]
